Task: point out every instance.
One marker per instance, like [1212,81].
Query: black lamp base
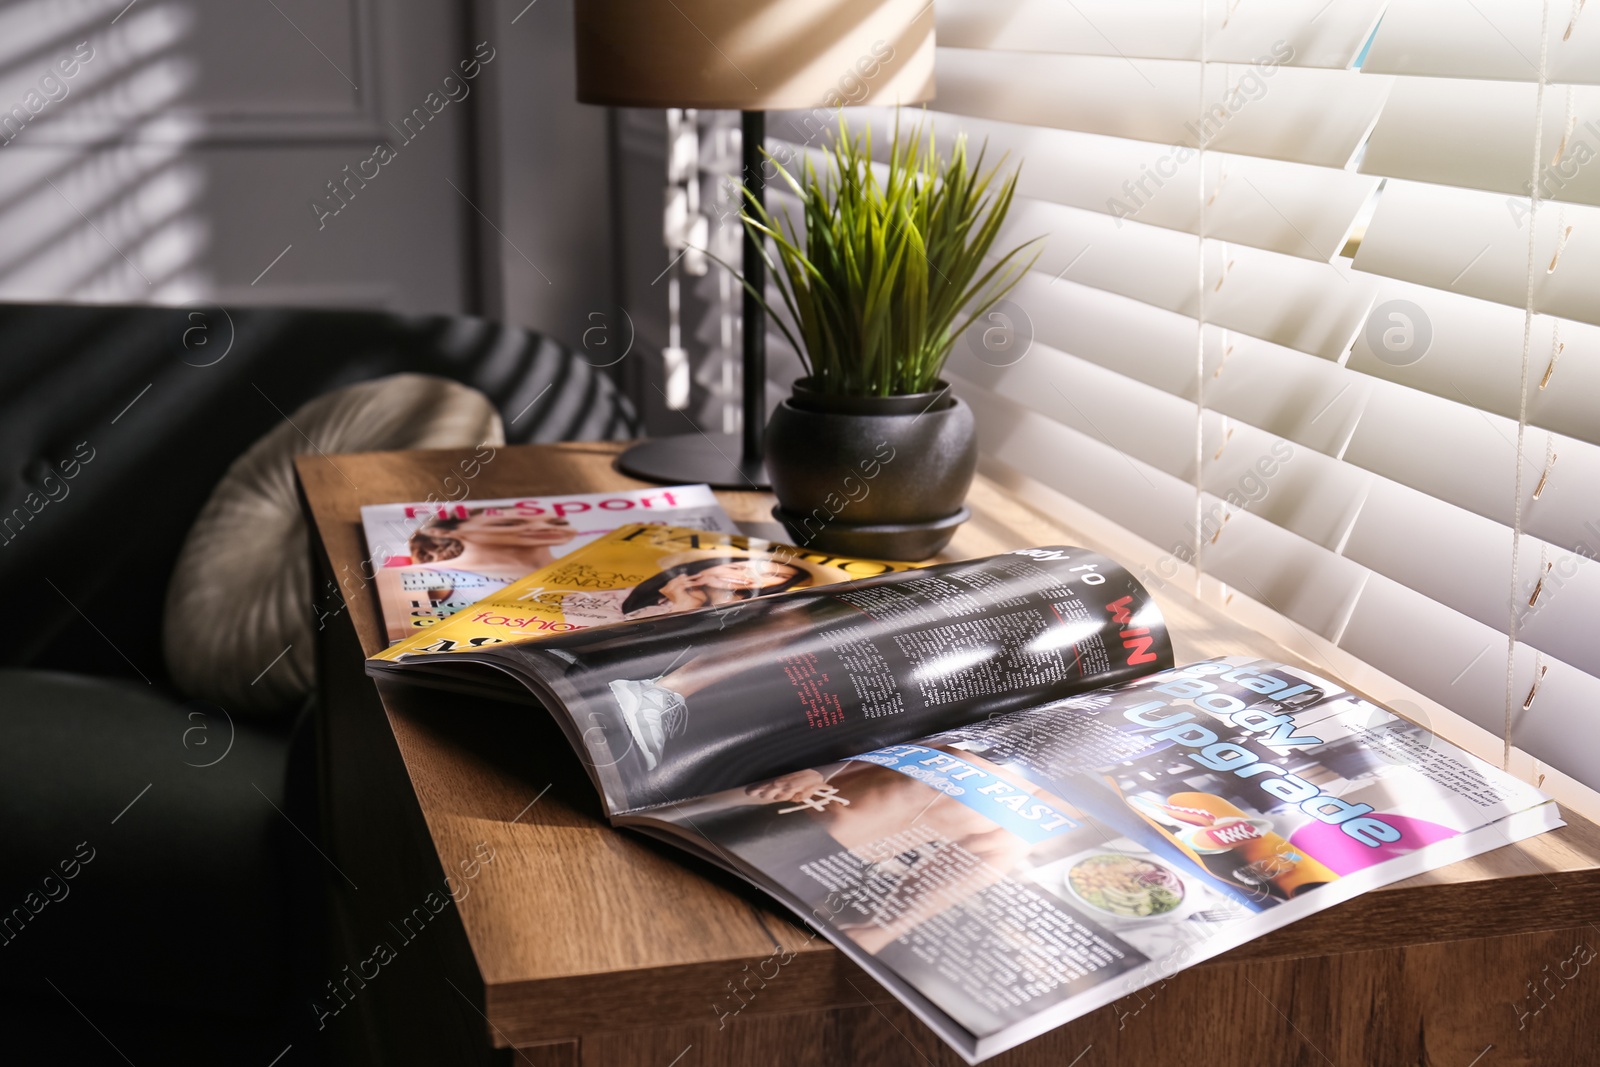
[693,457]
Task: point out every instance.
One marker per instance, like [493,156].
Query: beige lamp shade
[754,55]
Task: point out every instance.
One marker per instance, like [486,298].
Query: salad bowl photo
[1126,888]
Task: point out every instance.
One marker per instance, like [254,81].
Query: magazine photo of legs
[917,867]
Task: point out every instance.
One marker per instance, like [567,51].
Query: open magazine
[435,557]
[988,785]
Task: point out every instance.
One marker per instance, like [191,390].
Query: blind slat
[1133,494]
[1140,422]
[1300,115]
[1311,33]
[1477,243]
[1313,402]
[1310,307]
[1477,134]
[1445,449]
[1147,344]
[1298,489]
[1464,561]
[1462,664]
[1467,457]
[1470,351]
[1312,586]
[1496,39]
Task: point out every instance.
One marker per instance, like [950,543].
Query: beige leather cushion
[241,593]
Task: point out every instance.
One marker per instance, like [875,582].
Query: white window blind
[1356,245]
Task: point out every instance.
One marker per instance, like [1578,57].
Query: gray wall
[180,164]
[183,156]
[544,159]
[181,160]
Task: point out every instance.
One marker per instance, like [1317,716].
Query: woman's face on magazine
[752,574]
[513,530]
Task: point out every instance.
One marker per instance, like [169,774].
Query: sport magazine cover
[433,558]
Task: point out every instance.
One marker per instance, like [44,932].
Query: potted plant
[872,454]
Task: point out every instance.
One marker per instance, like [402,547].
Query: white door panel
[170,150]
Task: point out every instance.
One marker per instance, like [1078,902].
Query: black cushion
[149,848]
[146,407]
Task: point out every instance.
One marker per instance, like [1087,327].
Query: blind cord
[1527,353]
[1200,327]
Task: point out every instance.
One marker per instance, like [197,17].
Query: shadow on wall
[163,151]
[95,199]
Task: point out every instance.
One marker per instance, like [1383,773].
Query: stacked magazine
[985,781]
[433,558]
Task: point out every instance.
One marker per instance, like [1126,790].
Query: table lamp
[752,56]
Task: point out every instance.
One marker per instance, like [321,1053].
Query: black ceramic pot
[875,476]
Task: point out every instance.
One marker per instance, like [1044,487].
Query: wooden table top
[574,922]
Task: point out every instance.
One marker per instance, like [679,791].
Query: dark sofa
[189,926]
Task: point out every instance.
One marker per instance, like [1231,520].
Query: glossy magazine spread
[1006,877]
[433,558]
[988,784]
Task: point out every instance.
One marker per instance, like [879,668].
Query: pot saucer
[909,541]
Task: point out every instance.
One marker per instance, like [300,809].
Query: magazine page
[635,572]
[680,705]
[432,558]
[1008,876]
